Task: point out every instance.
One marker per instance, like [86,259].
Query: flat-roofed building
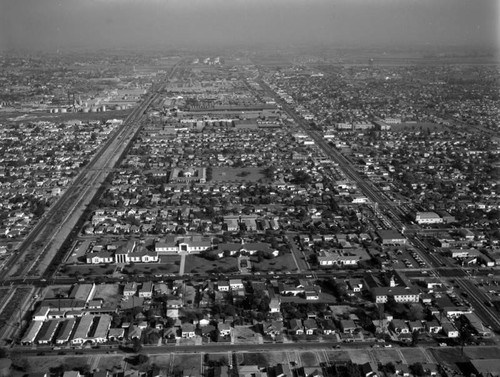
[428,218]
[342,257]
[391,237]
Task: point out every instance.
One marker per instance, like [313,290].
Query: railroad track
[74,198]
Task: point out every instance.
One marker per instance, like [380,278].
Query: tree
[417,369]
[415,337]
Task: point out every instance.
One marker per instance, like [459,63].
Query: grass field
[163,361]
[186,362]
[308,359]
[44,363]
[385,356]
[274,358]
[448,356]
[196,264]
[413,355]
[280,263]
[359,356]
[339,355]
[245,335]
[254,359]
[236,175]
[110,362]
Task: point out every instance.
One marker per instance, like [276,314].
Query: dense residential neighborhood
[233,216]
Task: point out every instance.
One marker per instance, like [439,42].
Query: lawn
[254,359]
[107,362]
[186,361]
[234,174]
[448,356]
[482,352]
[385,356]
[198,265]
[339,355]
[163,360]
[413,355]
[274,358]
[280,263]
[308,359]
[44,363]
[359,356]
[245,335]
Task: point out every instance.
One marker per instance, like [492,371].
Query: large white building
[183,245]
[428,218]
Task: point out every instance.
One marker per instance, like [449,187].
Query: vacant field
[414,355]
[245,335]
[448,356]
[385,356]
[359,356]
[236,175]
[35,364]
[253,359]
[274,358]
[110,362]
[482,352]
[109,293]
[339,355]
[308,359]
[280,263]
[163,361]
[221,357]
[196,264]
[187,362]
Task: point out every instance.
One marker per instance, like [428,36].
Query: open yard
[35,364]
[196,264]
[245,335]
[109,293]
[339,355]
[110,362]
[308,359]
[280,263]
[414,355]
[235,174]
[360,356]
[253,359]
[385,356]
[163,360]
[186,362]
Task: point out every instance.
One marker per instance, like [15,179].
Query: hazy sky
[52,24]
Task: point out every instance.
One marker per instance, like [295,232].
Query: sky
[66,24]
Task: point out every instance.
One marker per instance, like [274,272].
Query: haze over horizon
[66,24]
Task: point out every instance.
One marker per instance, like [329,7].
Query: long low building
[48,331]
[32,332]
[342,257]
[65,332]
[83,329]
[101,332]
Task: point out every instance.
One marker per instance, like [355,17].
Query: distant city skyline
[57,24]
